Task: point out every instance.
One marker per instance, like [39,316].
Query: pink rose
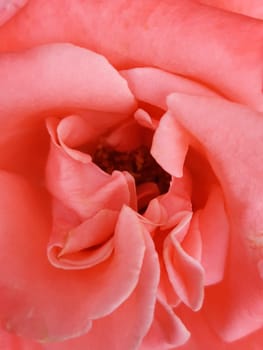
[131,175]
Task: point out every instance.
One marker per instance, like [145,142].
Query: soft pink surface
[8,8]
[79,266]
[178,36]
[253,8]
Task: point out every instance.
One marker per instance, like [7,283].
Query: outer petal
[203,337]
[53,79]
[69,77]
[36,299]
[152,85]
[233,142]
[165,34]
[253,8]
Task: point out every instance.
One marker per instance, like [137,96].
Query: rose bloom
[131,175]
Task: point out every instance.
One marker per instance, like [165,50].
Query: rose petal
[233,142]
[253,8]
[10,341]
[79,246]
[214,230]
[36,299]
[153,85]
[156,34]
[8,8]
[69,77]
[84,187]
[167,330]
[127,325]
[169,136]
[185,273]
[202,336]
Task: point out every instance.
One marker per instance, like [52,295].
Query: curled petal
[232,141]
[153,85]
[79,246]
[167,330]
[185,273]
[127,325]
[40,301]
[214,230]
[169,136]
[84,187]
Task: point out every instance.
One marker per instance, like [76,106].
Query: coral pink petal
[192,243]
[253,8]
[91,232]
[144,119]
[167,330]
[38,305]
[235,308]
[170,145]
[9,341]
[69,77]
[8,8]
[203,337]
[153,85]
[78,246]
[84,187]
[154,33]
[214,230]
[185,273]
[127,325]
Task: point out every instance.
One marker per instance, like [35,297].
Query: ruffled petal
[84,187]
[185,273]
[36,298]
[233,143]
[169,136]
[127,325]
[167,330]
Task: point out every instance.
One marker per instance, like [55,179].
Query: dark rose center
[138,162]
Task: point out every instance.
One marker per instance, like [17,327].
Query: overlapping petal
[36,298]
[128,324]
[172,335]
[48,81]
[156,34]
[235,307]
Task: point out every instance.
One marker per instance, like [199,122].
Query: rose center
[138,162]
